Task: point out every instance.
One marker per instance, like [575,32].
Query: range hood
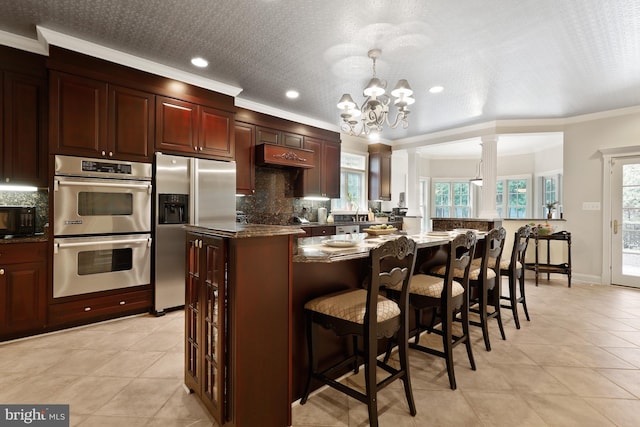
[283,157]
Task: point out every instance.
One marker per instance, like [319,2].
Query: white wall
[583,176]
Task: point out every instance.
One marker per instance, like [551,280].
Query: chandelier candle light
[375,109]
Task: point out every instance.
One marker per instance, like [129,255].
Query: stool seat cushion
[474,272]
[504,263]
[351,305]
[429,286]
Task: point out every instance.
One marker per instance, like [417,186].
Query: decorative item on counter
[542,229]
[322,215]
[550,208]
[381,217]
[330,219]
[371,217]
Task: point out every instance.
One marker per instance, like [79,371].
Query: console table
[547,267]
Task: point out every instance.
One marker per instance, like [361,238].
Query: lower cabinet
[205,323]
[23,289]
[100,306]
[237,348]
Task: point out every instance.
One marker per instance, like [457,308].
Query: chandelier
[374,112]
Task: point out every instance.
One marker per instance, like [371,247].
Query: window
[352,183]
[452,199]
[550,193]
[516,198]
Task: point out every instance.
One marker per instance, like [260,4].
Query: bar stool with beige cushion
[445,297]
[482,281]
[366,313]
[513,268]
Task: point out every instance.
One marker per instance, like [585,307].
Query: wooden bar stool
[367,314]
[445,297]
[513,268]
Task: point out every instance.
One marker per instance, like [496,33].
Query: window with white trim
[452,199]
[353,168]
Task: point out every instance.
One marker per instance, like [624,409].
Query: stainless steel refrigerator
[188,191]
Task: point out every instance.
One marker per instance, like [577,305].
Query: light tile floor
[577,363]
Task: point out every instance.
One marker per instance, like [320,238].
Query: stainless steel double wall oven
[101,225]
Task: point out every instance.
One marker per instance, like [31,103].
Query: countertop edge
[240,231]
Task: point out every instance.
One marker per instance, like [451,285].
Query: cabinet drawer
[327,230]
[12,253]
[100,307]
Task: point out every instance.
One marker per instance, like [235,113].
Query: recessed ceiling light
[292,94]
[199,62]
[436,89]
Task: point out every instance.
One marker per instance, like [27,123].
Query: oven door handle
[58,183]
[58,245]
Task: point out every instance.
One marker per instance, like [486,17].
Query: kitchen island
[237,321]
[246,285]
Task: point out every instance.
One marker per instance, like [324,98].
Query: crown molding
[283,114]
[39,46]
[98,51]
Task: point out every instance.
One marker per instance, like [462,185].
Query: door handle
[615,226]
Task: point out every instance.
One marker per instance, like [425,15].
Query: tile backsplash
[39,199]
[273,202]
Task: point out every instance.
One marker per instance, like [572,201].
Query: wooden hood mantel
[282,156]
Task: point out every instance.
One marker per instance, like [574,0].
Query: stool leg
[484,295]
[465,333]
[312,361]
[513,298]
[522,295]
[371,383]
[495,293]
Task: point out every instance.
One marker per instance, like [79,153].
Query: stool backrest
[390,263]
[460,255]
[492,253]
[520,242]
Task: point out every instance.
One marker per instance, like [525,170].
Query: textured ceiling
[497,59]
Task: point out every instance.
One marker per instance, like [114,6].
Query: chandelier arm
[400,118]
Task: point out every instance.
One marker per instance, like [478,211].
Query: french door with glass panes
[625,221]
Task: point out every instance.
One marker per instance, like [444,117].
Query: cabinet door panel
[176,125]
[78,108]
[293,140]
[130,124]
[24,289]
[24,130]
[269,136]
[215,136]
[331,169]
[312,178]
[245,160]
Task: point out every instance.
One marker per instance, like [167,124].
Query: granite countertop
[236,230]
[29,239]
[312,249]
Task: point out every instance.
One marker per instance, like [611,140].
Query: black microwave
[17,221]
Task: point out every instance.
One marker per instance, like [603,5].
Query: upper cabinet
[94,119]
[185,127]
[245,158]
[23,144]
[323,179]
[379,172]
[272,136]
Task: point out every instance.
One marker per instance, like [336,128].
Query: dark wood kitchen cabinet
[23,289]
[205,323]
[95,307]
[245,158]
[232,314]
[92,118]
[185,127]
[272,136]
[23,129]
[323,179]
[379,172]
